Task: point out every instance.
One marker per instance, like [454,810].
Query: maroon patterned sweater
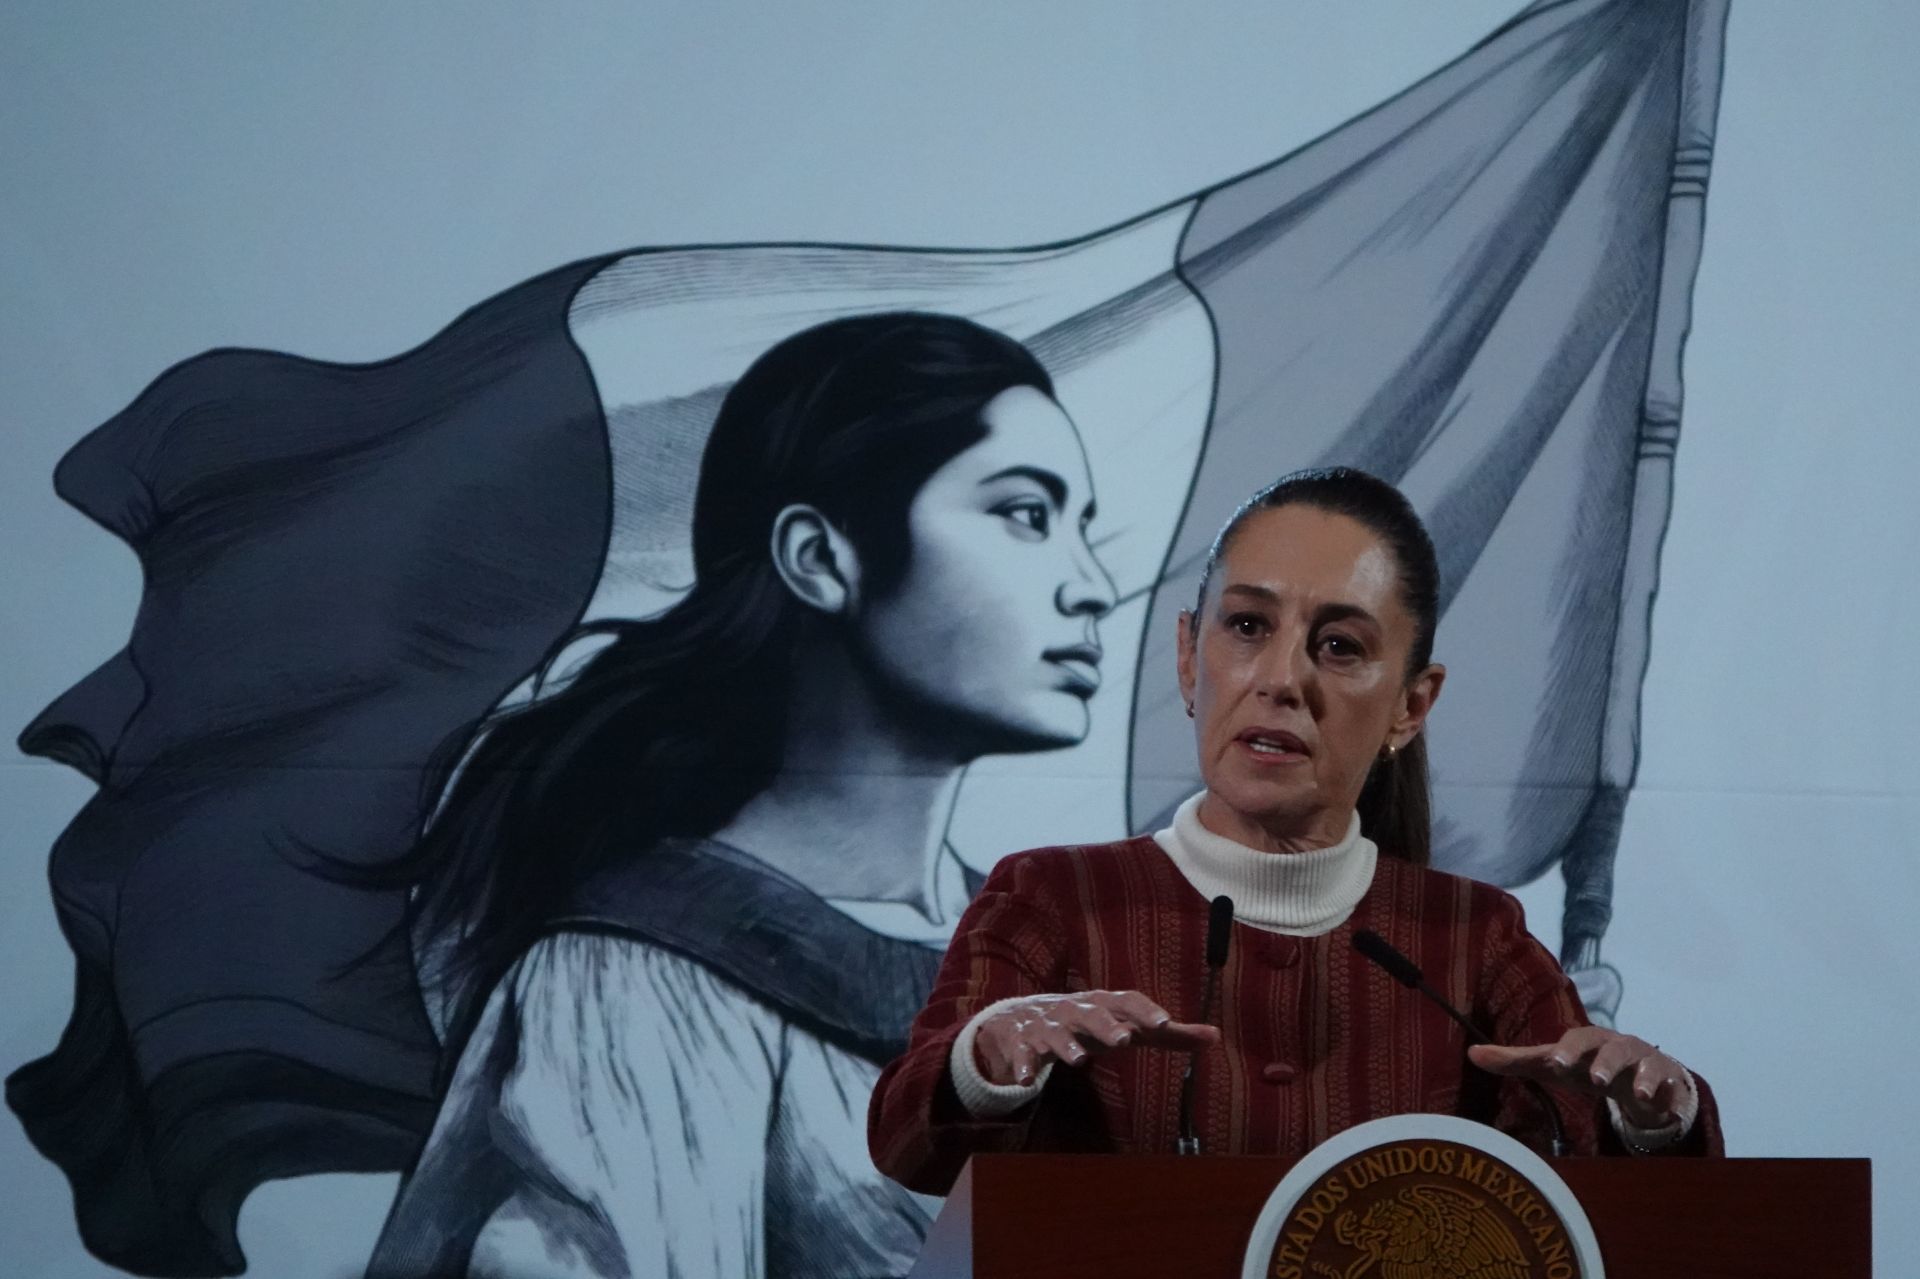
[1316,1038]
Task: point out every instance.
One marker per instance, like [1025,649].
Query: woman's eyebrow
[1334,612]
[1344,613]
[1264,594]
[1055,486]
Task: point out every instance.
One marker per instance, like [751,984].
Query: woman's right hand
[1013,1045]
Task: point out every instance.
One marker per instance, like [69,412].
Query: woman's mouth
[1273,745]
[1081,663]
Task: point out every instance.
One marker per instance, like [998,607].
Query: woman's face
[1297,674]
[992,636]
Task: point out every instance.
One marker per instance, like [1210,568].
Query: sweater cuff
[1649,1141]
[983,1099]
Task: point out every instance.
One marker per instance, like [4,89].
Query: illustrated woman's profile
[677,909]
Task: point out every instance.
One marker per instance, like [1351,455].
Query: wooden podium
[1121,1216]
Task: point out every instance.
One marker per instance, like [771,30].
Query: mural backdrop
[546,763]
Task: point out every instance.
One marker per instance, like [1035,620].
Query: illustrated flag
[1479,291]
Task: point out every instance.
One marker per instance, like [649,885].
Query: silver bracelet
[1672,1132]
[1626,1126]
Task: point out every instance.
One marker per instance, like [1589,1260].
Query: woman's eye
[1247,625]
[1340,646]
[1033,515]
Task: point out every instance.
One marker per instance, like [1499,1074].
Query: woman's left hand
[1648,1085]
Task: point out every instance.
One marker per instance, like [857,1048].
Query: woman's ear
[1185,645]
[1423,690]
[816,560]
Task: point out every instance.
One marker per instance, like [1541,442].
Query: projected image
[549,763]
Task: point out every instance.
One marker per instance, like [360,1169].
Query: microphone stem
[1206,997]
[1557,1141]
[1189,1141]
[1473,1032]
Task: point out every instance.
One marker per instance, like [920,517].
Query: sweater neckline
[1299,894]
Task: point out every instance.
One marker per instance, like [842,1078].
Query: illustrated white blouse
[647,1117]
[657,1121]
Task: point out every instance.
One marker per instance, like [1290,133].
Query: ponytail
[642,743]
[1396,806]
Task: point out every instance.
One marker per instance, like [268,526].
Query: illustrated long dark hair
[1396,805]
[677,721]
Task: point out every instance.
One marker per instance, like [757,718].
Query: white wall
[1771,860]
[341,181]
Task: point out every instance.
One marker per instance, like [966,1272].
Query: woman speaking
[1307,667]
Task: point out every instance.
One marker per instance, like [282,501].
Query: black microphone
[1407,973]
[1219,936]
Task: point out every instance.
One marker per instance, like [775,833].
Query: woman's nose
[1284,673]
[1088,590]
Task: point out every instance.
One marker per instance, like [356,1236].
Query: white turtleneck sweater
[1300,894]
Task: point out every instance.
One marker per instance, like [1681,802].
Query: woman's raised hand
[1013,1045]
[1648,1085]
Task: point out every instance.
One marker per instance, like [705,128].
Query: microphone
[1219,935]
[1407,973]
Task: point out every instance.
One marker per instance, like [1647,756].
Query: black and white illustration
[547,763]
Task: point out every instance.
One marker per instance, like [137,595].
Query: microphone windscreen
[1381,952]
[1219,931]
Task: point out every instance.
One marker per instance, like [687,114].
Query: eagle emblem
[1428,1232]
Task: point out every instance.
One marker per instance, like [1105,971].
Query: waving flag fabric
[1479,290]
